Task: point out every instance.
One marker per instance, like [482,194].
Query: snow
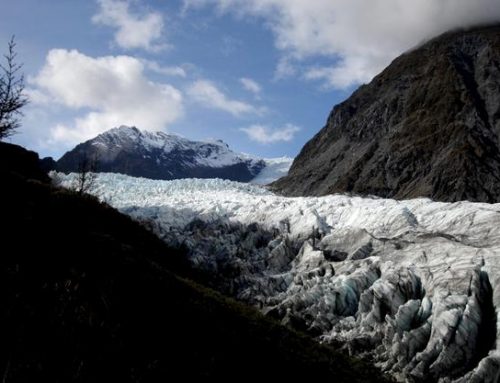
[210,153]
[275,169]
[413,285]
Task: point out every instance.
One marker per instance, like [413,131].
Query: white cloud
[251,85]
[206,93]
[36,96]
[266,135]
[284,68]
[334,76]
[133,30]
[153,66]
[112,91]
[360,36]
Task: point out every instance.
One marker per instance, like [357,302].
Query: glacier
[412,286]
[275,169]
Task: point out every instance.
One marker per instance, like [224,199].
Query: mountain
[158,155]
[413,285]
[428,125]
[88,295]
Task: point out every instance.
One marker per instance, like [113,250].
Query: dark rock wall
[427,126]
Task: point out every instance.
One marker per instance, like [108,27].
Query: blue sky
[262,75]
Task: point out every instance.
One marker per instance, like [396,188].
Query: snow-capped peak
[160,155]
[210,153]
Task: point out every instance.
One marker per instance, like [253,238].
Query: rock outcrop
[428,125]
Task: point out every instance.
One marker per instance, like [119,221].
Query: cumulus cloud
[132,30]
[109,91]
[207,94]
[361,37]
[265,135]
[251,85]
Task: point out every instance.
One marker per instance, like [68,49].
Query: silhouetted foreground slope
[88,296]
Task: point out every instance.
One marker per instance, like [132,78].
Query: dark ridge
[15,160]
[47,164]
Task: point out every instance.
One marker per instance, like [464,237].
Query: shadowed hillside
[90,296]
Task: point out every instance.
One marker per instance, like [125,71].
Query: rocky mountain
[158,155]
[428,125]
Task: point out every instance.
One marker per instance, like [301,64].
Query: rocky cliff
[428,125]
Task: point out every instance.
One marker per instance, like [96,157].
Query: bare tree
[12,97]
[86,175]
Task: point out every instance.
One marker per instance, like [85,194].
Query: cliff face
[427,126]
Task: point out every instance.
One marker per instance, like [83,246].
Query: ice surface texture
[413,285]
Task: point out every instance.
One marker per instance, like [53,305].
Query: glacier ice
[411,285]
[275,168]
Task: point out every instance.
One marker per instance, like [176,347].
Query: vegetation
[88,295]
[12,97]
[86,174]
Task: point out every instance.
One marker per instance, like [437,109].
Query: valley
[251,243]
[411,285]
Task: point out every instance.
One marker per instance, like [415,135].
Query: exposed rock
[427,126]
